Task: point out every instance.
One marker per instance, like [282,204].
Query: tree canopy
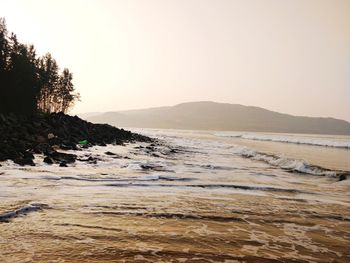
[29,83]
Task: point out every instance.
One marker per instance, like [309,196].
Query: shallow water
[196,197]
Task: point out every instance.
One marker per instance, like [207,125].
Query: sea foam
[285,163]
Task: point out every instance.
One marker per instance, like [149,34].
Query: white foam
[282,162]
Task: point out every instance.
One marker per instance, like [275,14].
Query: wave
[288,139]
[292,165]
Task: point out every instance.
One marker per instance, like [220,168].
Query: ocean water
[194,196]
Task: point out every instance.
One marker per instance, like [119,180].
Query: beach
[191,196]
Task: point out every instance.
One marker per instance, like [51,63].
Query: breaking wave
[292,165]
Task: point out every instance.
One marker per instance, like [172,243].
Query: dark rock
[24,161]
[146,167]
[43,148]
[28,155]
[62,157]
[90,159]
[342,177]
[151,167]
[55,141]
[48,160]
[41,139]
[63,164]
[68,146]
[110,153]
[18,134]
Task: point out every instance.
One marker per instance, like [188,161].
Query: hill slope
[221,116]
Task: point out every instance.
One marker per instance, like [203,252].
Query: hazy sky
[291,56]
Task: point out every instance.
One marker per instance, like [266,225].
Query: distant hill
[221,116]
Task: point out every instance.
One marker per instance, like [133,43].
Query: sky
[290,56]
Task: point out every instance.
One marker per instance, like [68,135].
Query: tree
[29,84]
[66,89]
[4,56]
[57,91]
[22,72]
[48,78]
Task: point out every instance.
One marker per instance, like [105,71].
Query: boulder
[63,164]
[48,160]
[62,157]
[24,161]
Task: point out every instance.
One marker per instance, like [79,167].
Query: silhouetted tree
[4,77]
[66,91]
[23,78]
[28,83]
[48,75]
[57,91]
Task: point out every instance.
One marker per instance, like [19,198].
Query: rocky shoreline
[23,136]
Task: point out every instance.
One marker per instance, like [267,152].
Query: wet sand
[193,201]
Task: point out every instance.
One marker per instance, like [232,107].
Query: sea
[191,196]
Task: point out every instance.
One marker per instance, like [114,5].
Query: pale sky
[291,56]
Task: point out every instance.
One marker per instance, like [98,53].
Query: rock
[41,139]
[151,167]
[48,160]
[39,132]
[42,148]
[342,177]
[110,153]
[27,154]
[24,161]
[62,157]
[90,159]
[63,164]
[55,141]
[68,145]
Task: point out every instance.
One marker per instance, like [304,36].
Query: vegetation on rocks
[34,97]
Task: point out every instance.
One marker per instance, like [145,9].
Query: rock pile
[22,136]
